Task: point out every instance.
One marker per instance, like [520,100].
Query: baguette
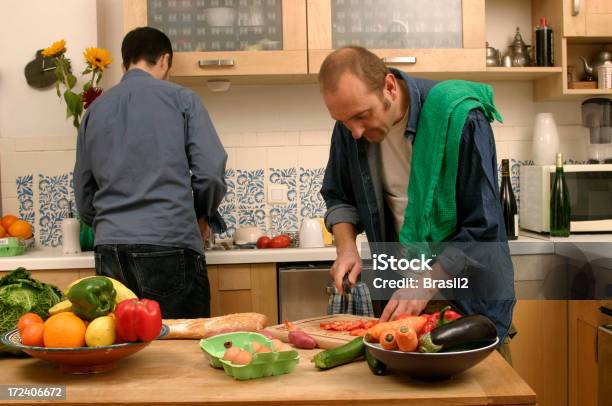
[203,328]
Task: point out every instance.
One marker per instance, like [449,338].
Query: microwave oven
[590,195]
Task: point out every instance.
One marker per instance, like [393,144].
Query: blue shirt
[149,163]
[352,189]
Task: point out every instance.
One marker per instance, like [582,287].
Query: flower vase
[545,143]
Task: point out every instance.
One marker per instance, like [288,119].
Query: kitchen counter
[52,258]
[176,372]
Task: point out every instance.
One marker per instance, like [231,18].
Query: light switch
[277,194]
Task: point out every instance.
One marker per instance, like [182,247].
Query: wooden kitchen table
[177,372]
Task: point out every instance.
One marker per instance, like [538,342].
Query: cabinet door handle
[211,63]
[400,60]
[575,7]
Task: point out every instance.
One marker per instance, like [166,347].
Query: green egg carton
[11,246]
[262,364]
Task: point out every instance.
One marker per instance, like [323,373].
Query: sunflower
[57,48]
[97,58]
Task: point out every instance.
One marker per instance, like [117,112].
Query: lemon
[100,332]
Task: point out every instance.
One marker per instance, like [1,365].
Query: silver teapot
[590,70]
[519,51]
[493,58]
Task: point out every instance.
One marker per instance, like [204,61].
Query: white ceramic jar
[545,143]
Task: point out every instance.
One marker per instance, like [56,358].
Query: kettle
[590,70]
[519,51]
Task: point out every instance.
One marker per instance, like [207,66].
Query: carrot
[415,322]
[387,340]
[406,339]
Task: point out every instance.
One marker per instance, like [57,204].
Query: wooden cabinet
[587,18]
[539,350]
[411,37]
[584,321]
[577,35]
[227,37]
[244,288]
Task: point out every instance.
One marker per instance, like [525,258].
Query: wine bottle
[559,203]
[508,203]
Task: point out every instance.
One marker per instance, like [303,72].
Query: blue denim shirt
[149,162]
[352,189]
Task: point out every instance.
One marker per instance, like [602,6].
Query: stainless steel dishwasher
[302,290]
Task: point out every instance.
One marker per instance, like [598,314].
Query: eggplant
[463,331]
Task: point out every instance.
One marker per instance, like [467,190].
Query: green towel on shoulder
[431,214]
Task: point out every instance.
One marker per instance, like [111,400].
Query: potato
[301,339]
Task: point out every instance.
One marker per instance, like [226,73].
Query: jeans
[174,277]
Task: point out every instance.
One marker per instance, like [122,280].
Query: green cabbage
[19,294]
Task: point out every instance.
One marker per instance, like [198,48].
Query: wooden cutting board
[325,339]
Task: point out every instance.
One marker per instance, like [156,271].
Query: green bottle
[559,203]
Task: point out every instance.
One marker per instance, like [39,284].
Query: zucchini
[377,367]
[344,354]
[465,330]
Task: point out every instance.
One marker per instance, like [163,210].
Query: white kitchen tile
[63,143]
[514,101]
[565,113]
[522,133]
[573,149]
[313,156]
[8,190]
[231,157]
[315,137]
[17,163]
[230,139]
[7,144]
[30,144]
[519,150]
[504,133]
[10,205]
[292,138]
[250,158]
[502,148]
[248,139]
[269,139]
[282,157]
[572,132]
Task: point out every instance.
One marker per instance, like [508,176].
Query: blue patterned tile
[312,203]
[25,196]
[250,187]
[54,198]
[252,216]
[283,217]
[227,208]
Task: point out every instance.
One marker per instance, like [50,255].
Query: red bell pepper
[138,320]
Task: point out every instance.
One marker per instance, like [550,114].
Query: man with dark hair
[149,176]
[374,182]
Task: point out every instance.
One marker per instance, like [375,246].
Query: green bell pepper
[92,297]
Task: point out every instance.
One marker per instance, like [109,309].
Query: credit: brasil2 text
[427,283]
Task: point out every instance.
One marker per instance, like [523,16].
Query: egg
[231,353]
[243,358]
[256,346]
[263,348]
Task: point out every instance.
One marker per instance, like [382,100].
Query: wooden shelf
[524,73]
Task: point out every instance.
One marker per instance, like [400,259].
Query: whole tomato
[263,242]
[280,241]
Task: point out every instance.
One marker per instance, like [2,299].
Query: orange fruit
[64,330]
[2,232]
[20,229]
[33,335]
[28,319]
[8,220]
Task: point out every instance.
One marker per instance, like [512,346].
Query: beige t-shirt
[396,156]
